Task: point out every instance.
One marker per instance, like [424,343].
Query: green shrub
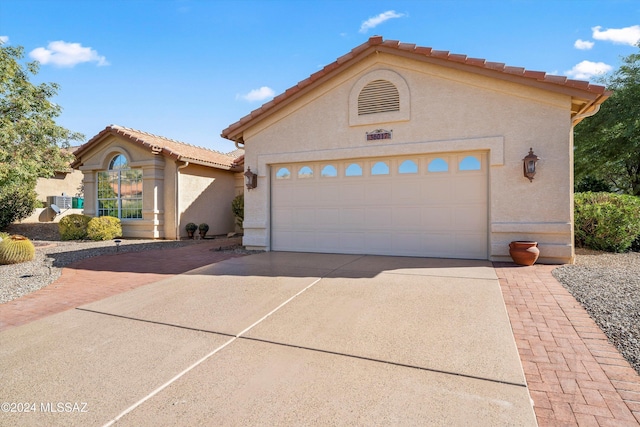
[237,206]
[73,227]
[606,221]
[3,235]
[16,203]
[16,249]
[104,228]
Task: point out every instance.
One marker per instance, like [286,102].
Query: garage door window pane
[305,172]
[469,163]
[283,173]
[408,166]
[380,168]
[329,171]
[438,165]
[353,169]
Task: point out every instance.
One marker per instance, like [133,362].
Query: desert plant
[16,203]
[3,235]
[104,228]
[73,227]
[203,229]
[606,221]
[191,227]
[16,249]
[237,206]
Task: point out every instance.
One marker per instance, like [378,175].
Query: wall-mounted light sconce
[251,179]
[529,164]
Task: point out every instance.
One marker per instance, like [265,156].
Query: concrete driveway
[277,339]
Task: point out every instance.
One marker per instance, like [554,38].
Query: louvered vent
[378,96]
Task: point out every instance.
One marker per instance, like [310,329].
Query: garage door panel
[378,217]
[407,243]
[436,191]
[304,218]
[378,192]
[468,218]
[378,243]
[403,216]
[351,194]
[405,191]
[426,213]
[470,245]
[328,217]
[437,218]
[282,218]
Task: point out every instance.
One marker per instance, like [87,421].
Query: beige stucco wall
[201,191]
[205,196]
[62,182]
[450,111]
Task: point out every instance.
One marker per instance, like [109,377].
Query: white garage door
[432,206]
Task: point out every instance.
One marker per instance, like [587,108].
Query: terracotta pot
[524,253]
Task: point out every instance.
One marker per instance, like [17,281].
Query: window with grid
[120,190]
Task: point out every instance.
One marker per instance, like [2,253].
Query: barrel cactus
[16,249]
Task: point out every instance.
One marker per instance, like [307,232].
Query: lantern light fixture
[529,165]
[250,179]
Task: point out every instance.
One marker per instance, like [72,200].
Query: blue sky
[186,69]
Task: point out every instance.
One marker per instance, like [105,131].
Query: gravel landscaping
[608,287]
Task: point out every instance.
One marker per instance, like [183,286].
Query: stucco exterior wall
[62,182]
[205,196]
[450,111]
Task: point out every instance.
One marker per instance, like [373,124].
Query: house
[156,185]
[396,149]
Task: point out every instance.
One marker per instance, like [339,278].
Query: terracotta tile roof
[587,95]
[168,147]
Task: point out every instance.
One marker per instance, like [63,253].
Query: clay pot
[524,253]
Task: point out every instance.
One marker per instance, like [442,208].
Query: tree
[31,142]
[607,145]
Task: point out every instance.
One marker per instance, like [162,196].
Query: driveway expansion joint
[387,362]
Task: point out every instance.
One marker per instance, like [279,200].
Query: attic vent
[378,96]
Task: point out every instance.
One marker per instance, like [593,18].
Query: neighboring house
[67,182]
[395,149]
[156,185]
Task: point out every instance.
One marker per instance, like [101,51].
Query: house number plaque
[379,134]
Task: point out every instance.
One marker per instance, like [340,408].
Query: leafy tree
[30,139]
[607,145]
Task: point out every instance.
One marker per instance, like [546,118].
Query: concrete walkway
[574,376]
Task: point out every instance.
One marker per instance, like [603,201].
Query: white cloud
[377,20]
[258,94]
[583,44]
[65,54]
[587,69]
[4,39]
[627,35]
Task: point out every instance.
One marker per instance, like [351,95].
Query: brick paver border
[576,377]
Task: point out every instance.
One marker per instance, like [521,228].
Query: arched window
[353,169]
[438,165]
[305,172]
[469,163]
[120,190]
[408,166]
[380,168]
[283,173]
[329,171]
